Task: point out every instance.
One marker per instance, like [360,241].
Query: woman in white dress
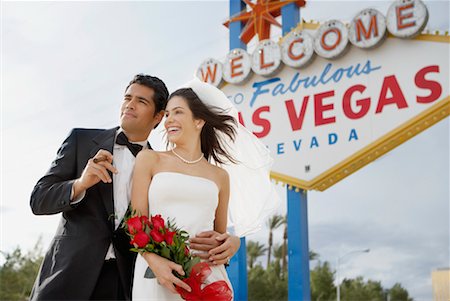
[183,183]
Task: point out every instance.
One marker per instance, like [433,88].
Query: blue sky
[66,64]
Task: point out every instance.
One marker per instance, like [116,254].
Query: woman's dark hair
[216,119]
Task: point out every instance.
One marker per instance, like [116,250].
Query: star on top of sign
[262,14]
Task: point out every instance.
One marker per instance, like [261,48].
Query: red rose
[186,250]
[156,235]
[140,239]
[134,224]
[168,237]
[158,222]
[145,221]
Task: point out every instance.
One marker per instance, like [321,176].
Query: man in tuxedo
[89,257]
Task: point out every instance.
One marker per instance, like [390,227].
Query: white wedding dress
[191,202]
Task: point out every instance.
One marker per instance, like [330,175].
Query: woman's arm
[229,244]
[220,221]
[142,177]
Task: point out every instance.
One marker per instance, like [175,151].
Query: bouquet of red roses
[153,235]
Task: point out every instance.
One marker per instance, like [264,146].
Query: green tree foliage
[18,272]
[257,283]
[265,284]
[313,255]
[398,293]
[284,247]
[271,283]
[273,223]
[322,277]
[357,289]
[254,250]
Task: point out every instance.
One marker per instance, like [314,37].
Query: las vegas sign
[329,99]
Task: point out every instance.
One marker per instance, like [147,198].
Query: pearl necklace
[187,161]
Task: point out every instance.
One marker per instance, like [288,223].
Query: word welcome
[404,19]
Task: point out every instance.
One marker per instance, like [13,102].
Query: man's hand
[96,170]
[219,247]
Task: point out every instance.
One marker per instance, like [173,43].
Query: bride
[190,185]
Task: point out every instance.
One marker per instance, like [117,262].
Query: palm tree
[277,251]
[254,250]
[276,264]
[274,222]
[312,255]
[284,246]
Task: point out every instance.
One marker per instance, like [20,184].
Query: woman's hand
[163,270]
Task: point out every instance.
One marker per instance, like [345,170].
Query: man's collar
[143,143]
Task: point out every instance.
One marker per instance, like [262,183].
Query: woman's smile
[172,130]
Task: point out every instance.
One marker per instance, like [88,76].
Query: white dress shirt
[123,161]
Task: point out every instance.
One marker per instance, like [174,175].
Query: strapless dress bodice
[189,201]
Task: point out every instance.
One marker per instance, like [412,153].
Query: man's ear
[158,117]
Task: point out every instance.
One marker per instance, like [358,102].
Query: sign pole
[237,270]
[298,250]
[290,17]
[297,209]
[236,6]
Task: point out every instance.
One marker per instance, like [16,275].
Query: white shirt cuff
[79,197]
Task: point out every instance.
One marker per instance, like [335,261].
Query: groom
[89,257]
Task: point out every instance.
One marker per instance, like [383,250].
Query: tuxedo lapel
[105,141]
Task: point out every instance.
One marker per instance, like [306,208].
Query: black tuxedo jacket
[74,260]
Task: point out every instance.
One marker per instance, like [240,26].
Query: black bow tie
[134,148]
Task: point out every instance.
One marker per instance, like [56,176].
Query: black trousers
[109,286]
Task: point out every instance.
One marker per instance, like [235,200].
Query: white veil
[252,194]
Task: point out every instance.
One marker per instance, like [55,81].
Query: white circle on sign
[331,39]
[237,66]
[297,49]
[407,18]
[368,29]
[266,59]
[210,71]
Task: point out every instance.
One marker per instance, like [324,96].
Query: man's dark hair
[161,92]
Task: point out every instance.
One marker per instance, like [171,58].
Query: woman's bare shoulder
[220,174]
[148,156]
[152,157]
